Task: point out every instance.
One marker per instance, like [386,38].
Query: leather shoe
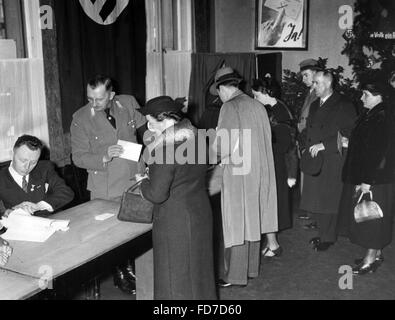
[315,240]
[310,226]
[379,259]
[225,284]
[129,272]
[269,253]
[322,246]
[304,216]
[362,268]
[122,282]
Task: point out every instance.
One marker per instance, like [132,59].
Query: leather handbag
[134,208]
[366,210]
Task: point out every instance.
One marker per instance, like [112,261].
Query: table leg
[145,276]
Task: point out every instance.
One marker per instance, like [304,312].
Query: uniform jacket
[249,200]
[371,153]
[321,194]
[182,223]
[92,134]
[44,184]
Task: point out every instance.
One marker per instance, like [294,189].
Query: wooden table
[86,240]
[15,286]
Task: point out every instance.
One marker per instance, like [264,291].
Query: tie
[321,102]
[110,118]
[24,184]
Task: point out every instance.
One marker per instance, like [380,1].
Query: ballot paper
[24,227]
[104,216]
[131,150]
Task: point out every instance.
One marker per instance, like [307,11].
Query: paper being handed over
[24,227]
[131,150]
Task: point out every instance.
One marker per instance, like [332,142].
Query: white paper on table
[33,235]
[104,216]
[24,227]
[131,150]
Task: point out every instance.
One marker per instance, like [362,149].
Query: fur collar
[180,132]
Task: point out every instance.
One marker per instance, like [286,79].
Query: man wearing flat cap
[249,199]
[308,69]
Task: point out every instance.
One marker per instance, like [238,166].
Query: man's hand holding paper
[131,150]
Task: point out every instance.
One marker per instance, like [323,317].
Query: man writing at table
[30,184]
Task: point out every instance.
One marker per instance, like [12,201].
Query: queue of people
[342,158]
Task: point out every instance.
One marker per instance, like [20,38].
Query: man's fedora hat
[309,165]
[160,104]
[311,64]
[222,75]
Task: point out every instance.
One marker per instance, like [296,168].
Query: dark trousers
[327,226]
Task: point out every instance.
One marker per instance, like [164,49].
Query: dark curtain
[86,48]
[204,66]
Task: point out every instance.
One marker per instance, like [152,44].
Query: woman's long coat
[249,199]
[321,193]
[370,160]
[182,223]
[281,122]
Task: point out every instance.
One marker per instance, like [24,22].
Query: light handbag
[366,210]
[134,208]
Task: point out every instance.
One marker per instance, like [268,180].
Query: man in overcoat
[331,116]
[248,194]
[308,69]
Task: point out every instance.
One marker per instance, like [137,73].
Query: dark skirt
[373,234]
[283,205]
[182,236]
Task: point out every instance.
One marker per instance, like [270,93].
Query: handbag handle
[134,186]
[360,197]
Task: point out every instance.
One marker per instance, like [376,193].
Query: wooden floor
[301,273]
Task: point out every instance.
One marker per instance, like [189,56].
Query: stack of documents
[24,227]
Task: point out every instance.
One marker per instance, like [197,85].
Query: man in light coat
[249,200]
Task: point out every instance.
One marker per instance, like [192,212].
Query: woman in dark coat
[370,166]
[182,218]
[266,92]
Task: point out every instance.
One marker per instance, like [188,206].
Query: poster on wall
[382,19]
[281,24]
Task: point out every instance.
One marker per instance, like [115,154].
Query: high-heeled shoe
[362,268]
[379,259]
[268,253]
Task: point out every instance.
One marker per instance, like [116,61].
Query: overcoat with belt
[249,196]
[92,134]
[321,193]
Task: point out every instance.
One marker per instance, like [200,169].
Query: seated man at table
[31,184]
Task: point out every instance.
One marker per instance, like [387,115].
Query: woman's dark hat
[223,75]
[309,165]
[160,104]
